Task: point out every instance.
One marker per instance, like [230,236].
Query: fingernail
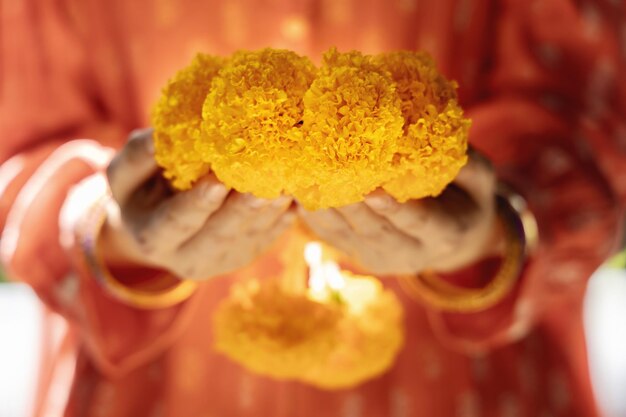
[380,202]
[281,201]
[212,191]
[255,202]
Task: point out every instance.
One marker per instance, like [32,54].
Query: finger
[410,217]
[328,220]
[267,216]
[229,223]
[365,222]
[132,166]
[380,239]
[178,218]
[250,248]
[478,178]
[218,257]
[265,238]
[331,227]
[437,222]
[383,253]
[283,223]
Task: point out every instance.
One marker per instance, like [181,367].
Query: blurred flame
[323,275]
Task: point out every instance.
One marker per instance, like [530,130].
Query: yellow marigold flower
[272,124]
[274,333]
[352,124]
[337,341]
[433,148]
[418,82]
[252,117]
[176,119]
[368,340]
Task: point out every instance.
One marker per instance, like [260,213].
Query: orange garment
[542,81]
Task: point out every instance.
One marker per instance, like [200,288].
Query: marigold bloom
[433,148]
[274,124]
[368,342]
[252,117]
[352,124]
[275,333]
[332,343]
[176,119]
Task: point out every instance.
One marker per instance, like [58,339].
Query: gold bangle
[430,288]
[88,232]
[149,299]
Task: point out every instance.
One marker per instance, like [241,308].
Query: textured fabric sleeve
[47,104]
[554,123]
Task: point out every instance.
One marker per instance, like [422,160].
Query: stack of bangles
[167,295]
[521,237]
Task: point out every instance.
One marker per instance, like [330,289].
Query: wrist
[125,279]
[115,249]
[471,250]
[495,244]
[442,294]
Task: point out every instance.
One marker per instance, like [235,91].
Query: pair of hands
[209,231]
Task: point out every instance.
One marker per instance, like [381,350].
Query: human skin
[209,230]
[442,234]
[197,234]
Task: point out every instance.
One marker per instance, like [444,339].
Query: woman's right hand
[196,234]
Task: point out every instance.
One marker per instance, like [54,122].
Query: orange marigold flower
[274,124]
[338,342]
[272,332]
[176,119]
[352,124]
[433,148]
[252,117]
[368,341]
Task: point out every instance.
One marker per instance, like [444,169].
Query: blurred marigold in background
[370,337]
[269,122]
[337,341]
[273,332]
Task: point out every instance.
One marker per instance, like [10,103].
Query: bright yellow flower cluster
[352,122]
[272,332]
[177,119]
[269,122]
[251,120]
[325,344]
[433,146]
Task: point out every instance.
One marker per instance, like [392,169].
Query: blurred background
[605,310]
[22,329]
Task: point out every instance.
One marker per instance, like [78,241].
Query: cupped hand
[196,234]
[442,234]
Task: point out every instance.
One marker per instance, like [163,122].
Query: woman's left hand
[442,234]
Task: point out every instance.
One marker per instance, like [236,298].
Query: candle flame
[323,275]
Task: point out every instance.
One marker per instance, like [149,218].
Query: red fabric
[541,80]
